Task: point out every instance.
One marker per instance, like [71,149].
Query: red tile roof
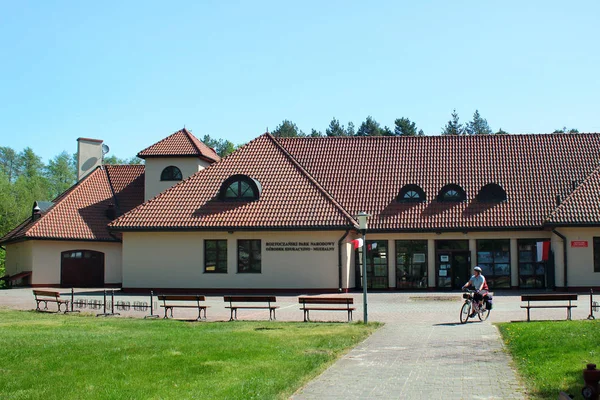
[367,173]
[180,144]
[290,199]
[582,207]
[80,212]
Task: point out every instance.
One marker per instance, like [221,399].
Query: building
[279,215]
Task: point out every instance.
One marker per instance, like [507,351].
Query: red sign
[579,243]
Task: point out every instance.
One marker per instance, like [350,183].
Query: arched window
[240,188]
[452,193]
[411,194]
[171,173]
[491,193]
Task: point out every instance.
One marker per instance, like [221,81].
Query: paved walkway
[422,352]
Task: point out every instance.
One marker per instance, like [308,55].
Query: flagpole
[362,224]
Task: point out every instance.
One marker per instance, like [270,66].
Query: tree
[369,127]
[31,164]
[335,129]
[222,147]
[315,133]
[60,173]
[478,126]
[350,130]
[287,129]
[421,133]
[453,127]
[386,131]
[501,132]
[565,130]
[114,160]
[404,127]
[9,163]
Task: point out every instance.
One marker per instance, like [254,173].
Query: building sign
[300,246]
[579,243]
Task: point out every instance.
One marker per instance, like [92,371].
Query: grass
[551,355]
[54,356]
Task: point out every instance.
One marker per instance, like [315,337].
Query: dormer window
[240,188]
[491,193]
[411,194]
[171,173]
[452,193]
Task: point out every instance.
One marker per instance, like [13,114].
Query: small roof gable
[80,212]
[582,207]
[180,144]
[290,198]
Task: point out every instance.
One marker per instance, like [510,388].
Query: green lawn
[550,356]
[50,356]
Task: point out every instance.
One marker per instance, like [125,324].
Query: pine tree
[453,127]
[335,129]
[404,127]
[478,126]
[288,129]
[369,127]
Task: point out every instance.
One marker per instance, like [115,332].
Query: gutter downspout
[564,239]
[340,260]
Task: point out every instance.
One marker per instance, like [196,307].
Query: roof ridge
[311,179]
[566,202]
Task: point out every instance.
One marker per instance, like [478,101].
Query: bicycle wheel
[483,314]
[465,311]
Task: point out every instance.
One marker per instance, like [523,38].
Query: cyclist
[478,283]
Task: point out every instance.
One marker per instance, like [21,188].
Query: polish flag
[357,243]
[543,251]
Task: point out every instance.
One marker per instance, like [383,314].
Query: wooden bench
[172,301]
[266,300]
[45,296]
[16,277]
[343,304]
[535,298]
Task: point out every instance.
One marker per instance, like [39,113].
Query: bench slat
[562,306]
[326,300]
[173,297]
[46,293]
[250,299]
[548,297]
[327,308]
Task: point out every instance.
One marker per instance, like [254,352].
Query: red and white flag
[543,251]
[357,243]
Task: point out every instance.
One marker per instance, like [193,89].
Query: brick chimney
[89,156]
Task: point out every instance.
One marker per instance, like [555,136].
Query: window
[411,264]
[249,257]
[597,254]
[240,188]
[411,194]
[171,173]
[215,256]
[493,256]
[491,193]
[452,193]
[532,272]
[377,264]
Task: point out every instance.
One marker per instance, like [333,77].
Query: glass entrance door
[453,269]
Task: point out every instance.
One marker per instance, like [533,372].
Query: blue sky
[131,73]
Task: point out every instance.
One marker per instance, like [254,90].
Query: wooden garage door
[82,268]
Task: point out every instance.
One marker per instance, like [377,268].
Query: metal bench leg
[231,314]
[271,310]
[349,315]
[528,314]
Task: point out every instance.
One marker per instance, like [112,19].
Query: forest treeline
[25,178]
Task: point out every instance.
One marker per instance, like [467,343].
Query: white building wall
[19,257]
[155,166]
[580,262]
[43,258]
[176,260]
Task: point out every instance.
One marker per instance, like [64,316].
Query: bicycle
[467,308]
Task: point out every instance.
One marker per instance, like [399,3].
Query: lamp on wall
[362,226]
